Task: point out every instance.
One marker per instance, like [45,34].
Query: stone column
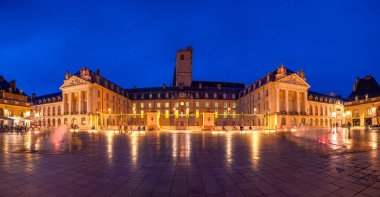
[298,102]
[70,102]
[286,101]
[88,101]
[278,100]
[305,101]
[64,103]
[80,101]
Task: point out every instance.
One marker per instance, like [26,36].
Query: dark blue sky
[135,42]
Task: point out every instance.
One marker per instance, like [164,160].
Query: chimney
[98,71]
[13,84]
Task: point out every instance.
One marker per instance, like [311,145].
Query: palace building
[14,104]
[279,100]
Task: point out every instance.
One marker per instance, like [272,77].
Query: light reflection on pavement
[266,163]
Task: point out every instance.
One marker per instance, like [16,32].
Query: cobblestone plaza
[183,163]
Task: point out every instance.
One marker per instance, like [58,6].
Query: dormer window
[356,98]
[215,95]
[366,96]
[150,96]
[159,95]
[206,95]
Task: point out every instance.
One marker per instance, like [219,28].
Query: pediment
[294,79]
[73,81]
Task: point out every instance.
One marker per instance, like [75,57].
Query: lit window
[158,105]
[150,105]
[196,104]
[166,113]
[216,104]
[187,104]
[176,113]
[142,114]
[197,113]
[225,105]
[216,113]
[176,104]
[141,105]
[207,104]
[233,105]
[167,104]
[225,113]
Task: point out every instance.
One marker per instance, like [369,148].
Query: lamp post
[228,116]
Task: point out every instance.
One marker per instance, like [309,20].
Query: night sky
[135,42]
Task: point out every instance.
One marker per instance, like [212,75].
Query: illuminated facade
[14,104]
[363,104]
[279,100]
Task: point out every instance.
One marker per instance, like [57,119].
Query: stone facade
[279,100]
[363,105]
[14,104]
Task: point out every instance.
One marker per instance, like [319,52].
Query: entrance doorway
[181,123]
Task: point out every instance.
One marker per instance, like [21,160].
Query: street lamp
[228,116]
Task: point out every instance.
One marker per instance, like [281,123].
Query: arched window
[59,110]
[83,121]
[321,111]
[283,121]
[311,110]
[65,121]
[53,111]
[48,122]
[1,112]
[53,122]
[316,110]
[59,122]
[48,112]
[316,122]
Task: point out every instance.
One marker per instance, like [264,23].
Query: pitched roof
[98,79]
[365,86]
[5,85]
[48,96]
[338,97]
